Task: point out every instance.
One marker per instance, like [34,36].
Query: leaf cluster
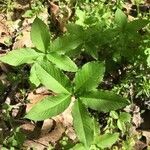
[47,60]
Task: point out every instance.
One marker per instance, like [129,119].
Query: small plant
[47,65]
[6,5]
[11,136]
[34,10]
[15,140]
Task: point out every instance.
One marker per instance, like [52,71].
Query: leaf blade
[63,62]
[107,140]
[65,43]
[84,80]
[40,35]
[83,124]
[120,18]
[33,76]
[52,77]
[103,101]
[136,25]
[49,107]
[20,56]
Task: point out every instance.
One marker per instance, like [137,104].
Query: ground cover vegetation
[92,59]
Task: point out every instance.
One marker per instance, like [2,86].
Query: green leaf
[33,76]
[63,62]
[83,124]
[20,56]
[136,25]
[120,18]
[52,77]
[40,35]
[103,101]
[107,140]
[124,117]
[66,43]
[49,107]
[121,125]
[81,15]
[78,146]
[75,29]
[91,49]
[114,114]
[89,76]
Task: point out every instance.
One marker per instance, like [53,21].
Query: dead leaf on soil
[23,40]
[35,97]
[4,32]
[147,135]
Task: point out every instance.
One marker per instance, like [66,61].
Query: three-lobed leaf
[20,56]
[83,124]
[63,62]
[103,101]
[52,77]
[49,107]
[40,35]
[89,76]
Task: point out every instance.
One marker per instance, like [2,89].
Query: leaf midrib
[62,87]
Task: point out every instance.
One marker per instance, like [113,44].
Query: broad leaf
[63,62]
[83,124]
[52,77]
[89,76]
[107,140]
[49,107]
[75,29]
[121,125]
[136,25]
[103,101]
[33,76]
[124,117]
[66,43]
[120,18]
[114,115]
[81,16]
[40,35]
[20,56]
[91,49]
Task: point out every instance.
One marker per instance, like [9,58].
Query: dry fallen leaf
[23,40]
[4,32]
[34,99]
[147,135]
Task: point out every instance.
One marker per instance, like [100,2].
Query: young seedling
[47,66]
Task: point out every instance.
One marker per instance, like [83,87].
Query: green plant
[35,9]
[48,60]
[6,5]
[15,140]
[12,137]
